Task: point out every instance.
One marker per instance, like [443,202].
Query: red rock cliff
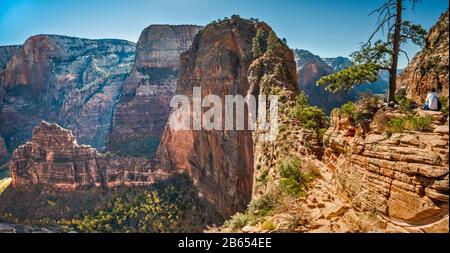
[429,68]
[68,80]
[53,157]
[220,162]
[142,111]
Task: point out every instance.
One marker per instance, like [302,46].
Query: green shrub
[256,211]
[263,177]
[410,122]
[239,220]
[293,180]
[397,124]
[310,117]
[348,110]
[405,104]
[268,225]
[264,204]
[444,105]
[421,124]
[366,106]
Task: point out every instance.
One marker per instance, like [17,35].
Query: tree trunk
[395,53]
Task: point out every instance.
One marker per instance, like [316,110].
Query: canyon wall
[6,53]
[68,80]
[143,108]
[429,68]
[220,161]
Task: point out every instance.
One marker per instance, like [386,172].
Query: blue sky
[324,27]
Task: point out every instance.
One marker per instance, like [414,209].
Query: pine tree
[279,72]
[381,55]
[256,48]
[272,42]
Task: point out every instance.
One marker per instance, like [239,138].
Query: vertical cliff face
[142,111]
[220,161]
[429,68]
[6,53]
[72,81]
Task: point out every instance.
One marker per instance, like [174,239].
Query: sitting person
[432,101]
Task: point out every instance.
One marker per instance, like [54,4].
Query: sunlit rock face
[143,108]
[404,176]
[54,158]
[68,80]
[220,162]
[429,68]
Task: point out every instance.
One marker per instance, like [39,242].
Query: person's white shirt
[432,100]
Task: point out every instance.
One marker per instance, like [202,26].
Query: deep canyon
[78,114]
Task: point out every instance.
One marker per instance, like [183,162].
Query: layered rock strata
[54,158]
[143,108]
[221,162]
[403,176]
[68,80]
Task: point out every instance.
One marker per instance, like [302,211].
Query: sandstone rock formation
[220,162]
[53,157]
[72,81]
[143,108]
[429,68]
[403,177]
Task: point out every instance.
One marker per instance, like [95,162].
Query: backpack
[439,104]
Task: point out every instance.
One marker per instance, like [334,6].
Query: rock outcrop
[72,81]
[220,161]
[403,177]
[53,157]
[429,68]
[143,109]
[6,53]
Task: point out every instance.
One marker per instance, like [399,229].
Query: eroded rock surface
[68,80]
[429,68]
[403,176]
[143,109]
[220,161]
[6,53]
[53,157]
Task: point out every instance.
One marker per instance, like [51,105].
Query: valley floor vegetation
[170,206]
